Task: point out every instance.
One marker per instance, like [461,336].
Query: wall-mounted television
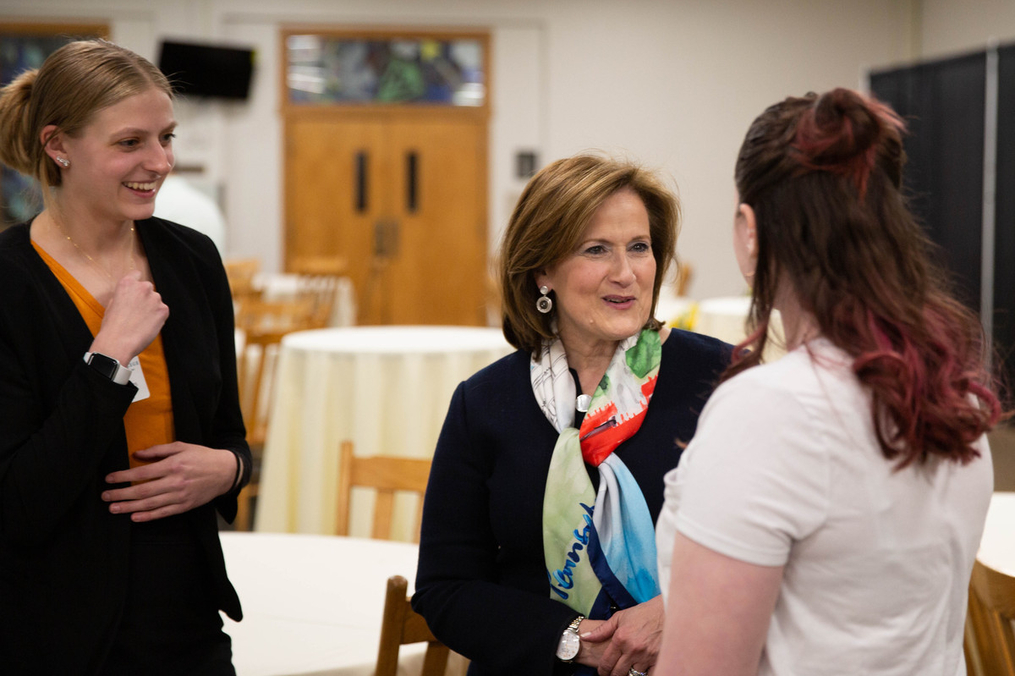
[216,71]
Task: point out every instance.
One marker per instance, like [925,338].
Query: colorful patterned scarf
[599,548]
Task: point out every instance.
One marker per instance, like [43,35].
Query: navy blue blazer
[481,559]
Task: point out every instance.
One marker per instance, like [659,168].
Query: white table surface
[722,317]
[386,389]
[312,605]
[997,548]
[398,340]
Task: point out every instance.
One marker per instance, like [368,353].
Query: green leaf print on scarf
[643,357]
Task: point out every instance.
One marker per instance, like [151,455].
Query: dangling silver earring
[63,161]
[544,303]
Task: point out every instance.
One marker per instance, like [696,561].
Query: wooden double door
[403,199]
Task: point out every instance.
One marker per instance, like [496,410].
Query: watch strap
[108,367]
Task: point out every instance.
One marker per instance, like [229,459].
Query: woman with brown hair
[826,516]
[547,478]
[121,428]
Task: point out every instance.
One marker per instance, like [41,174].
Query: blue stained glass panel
[20,195]
[336,70]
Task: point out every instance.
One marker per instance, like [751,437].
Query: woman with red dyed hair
[827,513]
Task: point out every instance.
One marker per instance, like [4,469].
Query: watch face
[107,366]
[568,646]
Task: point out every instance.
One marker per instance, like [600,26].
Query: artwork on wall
[24,46]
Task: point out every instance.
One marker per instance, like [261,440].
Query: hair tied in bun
[841,134]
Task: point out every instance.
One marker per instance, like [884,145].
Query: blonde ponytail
[19,150]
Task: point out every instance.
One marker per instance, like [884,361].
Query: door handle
[361,167]
[411,176]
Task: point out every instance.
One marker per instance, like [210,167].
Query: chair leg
[244,520]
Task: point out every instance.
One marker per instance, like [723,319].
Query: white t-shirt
[785,470]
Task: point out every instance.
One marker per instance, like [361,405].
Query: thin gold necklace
[130,247]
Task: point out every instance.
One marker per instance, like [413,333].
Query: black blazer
[481,583]
[63,556]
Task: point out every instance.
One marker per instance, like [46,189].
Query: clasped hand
[628,640]
[180,477]
[132,319]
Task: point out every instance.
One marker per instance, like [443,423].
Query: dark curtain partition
[1004,253]
[943,104]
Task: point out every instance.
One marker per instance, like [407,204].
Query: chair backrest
[387,474]
[402,625]
[240,272]
[321,291]
[684,273]
[334,266]
[279,316]
[990,649]
[255,377]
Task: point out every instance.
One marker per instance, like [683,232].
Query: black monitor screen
[207,70]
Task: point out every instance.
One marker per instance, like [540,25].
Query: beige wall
[674,83]
[951,27]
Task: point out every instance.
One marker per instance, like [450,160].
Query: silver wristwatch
[570,643]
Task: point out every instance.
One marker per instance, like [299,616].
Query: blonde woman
[122,434]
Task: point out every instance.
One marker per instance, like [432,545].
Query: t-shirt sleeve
[755,478]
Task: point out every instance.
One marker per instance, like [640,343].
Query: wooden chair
[263,323]
[330,266]
[256,378]
[684,273]
[385,473]
[279,316]
[990,638]
[320,291]
[255,375]
[240,272]
[402,625]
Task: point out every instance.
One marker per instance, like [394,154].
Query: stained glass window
[324,69]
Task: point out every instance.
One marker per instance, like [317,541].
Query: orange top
[150,421]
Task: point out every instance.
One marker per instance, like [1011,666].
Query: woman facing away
[826,516]
[537,553]
[121,429]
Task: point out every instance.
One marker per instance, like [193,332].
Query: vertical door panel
[326,213]
[440,272]
[416,252]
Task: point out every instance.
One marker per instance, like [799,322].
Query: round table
[385,388]
[722,317]
[312,604]
[997,547]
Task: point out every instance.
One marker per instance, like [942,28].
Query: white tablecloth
[312,605]
[385,388]
[722,317]
[997,548]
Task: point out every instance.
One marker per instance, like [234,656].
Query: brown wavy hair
[72,85]
[823,175]
[549,222]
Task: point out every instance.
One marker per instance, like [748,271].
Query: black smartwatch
[108,367]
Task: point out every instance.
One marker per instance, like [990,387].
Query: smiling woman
[122,434]
[547,476]
[604,289]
